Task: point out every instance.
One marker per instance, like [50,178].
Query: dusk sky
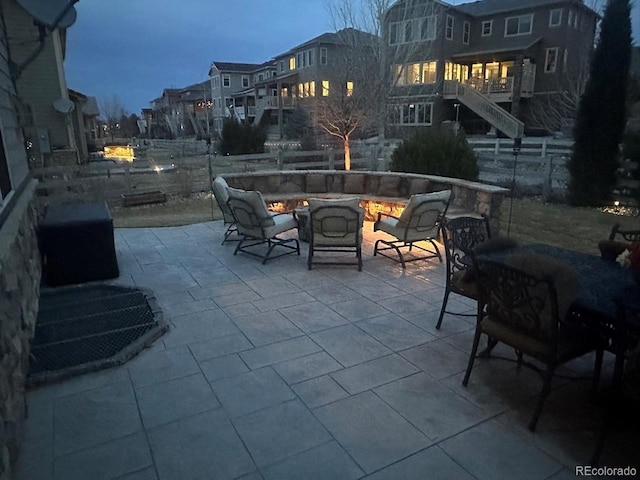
[136,48]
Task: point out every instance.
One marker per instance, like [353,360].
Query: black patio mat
[90,327]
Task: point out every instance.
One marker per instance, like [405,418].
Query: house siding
[20,271]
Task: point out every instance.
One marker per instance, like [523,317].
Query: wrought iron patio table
[601,283]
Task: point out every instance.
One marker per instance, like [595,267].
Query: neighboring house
[84,122]
[20,264]
[495,60]
[227,79]
[165,115]
[49,129]
[180,112]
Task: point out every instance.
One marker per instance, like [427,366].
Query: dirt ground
[531,220]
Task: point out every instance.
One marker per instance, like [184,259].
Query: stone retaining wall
[390,188]
[20,271]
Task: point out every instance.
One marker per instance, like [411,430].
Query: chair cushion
[281,223]
[418,199]
[256,202]
[336,226]
[610,249]
[220,186]
[464,286]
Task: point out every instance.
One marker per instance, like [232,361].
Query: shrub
[436,153]
[240,138]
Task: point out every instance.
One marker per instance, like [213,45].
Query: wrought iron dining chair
[459,236]
[419,221]
[220,186]
[335,228]
[258,226]
[523,304]
[627,235]
[624,407]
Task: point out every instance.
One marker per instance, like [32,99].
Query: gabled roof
[345,36]
[91,108]
[235,67]
[491,7]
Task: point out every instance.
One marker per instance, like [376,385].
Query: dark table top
[601,282]
[75,213]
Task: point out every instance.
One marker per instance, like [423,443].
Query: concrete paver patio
[276,372]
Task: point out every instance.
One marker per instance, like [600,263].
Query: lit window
[428,28]
[300,90]
[292,63]
[449,28]
[521,25]
[429,72]
[323,56]
[487,28]
[325,88]
[466,32]
[226,80]
[349,89]
[413,73]
[312,89]
[551,60]
[555,17]
[399,75]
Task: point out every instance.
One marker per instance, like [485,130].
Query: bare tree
[401,32]
[112,110]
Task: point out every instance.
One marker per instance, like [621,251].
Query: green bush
[240,138]
[436,153]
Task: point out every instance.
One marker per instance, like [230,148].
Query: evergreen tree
[240,138]
[601,114]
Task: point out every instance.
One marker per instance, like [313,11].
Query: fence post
[280,159]
[543,150]
[547,186]
[332,160]
[496,150]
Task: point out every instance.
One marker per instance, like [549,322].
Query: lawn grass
[532,220]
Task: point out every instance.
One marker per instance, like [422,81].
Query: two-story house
[226,79]
[489,62]
[316,68]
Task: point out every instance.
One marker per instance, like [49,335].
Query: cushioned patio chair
[459,236]
[259,227]
[419,222]
[335,227]
[523,304]
[222,197]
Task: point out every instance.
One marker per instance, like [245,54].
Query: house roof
[235,67]
[504,45]
[341,37]
[91,109]
[491,7]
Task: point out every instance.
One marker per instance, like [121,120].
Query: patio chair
[258,226]
[335,227]
[624,407]
[524,304]
[459,236]
[222,197]
[420,221]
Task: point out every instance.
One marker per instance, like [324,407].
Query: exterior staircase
[196,124]
[481,105]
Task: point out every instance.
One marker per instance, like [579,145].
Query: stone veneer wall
[392,188]
[20,272]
